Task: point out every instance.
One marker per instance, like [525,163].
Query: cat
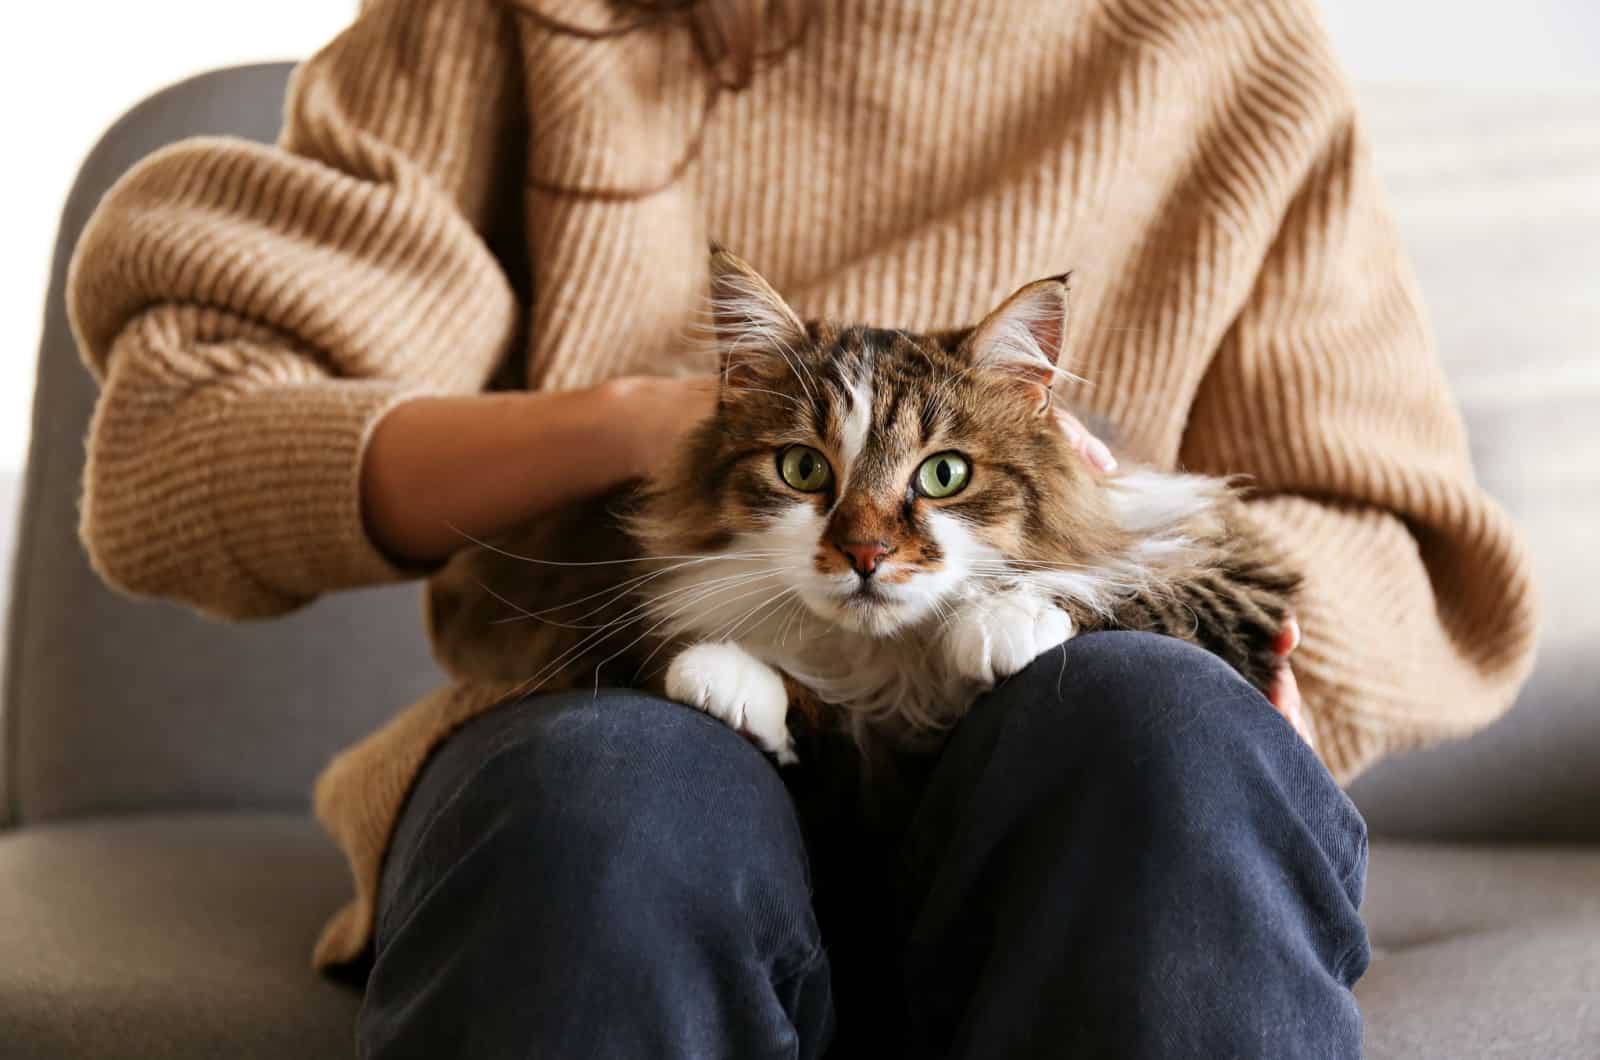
[874,528]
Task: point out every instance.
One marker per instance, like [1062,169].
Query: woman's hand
[654,414]
[1285,694]
[442,470]
[1086,445]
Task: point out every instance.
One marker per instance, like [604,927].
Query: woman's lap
[576,866]
[1129,831]
[579,874]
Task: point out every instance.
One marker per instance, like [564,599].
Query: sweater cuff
[287,486]
[255,509]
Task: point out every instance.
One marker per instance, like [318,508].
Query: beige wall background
[72,68]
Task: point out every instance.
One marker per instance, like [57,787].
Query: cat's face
[881,472]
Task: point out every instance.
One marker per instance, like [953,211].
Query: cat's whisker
[1130,577]
[1024,565]
[646,677]
[679,610]
[615,592]
[644,605]
[732,629]
[1013,569]
[949,619]
[804,612]
[657,600]
[675,568]
[1058,374]
[944,387]
[779,602]
[670,617]
[803,372]
[609,630]
[788,621]
[796,402]
[698,591]
[796,368]
[725,634]
[704,557]
[522,612]
[799,605]
[754,328]
[577,622]
[939,400]
[645,662]
[783,629]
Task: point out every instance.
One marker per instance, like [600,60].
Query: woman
[1121,850]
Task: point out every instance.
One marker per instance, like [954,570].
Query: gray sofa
[160,882]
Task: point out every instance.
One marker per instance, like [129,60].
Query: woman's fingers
[1285,698]
[1288,638]
[1285,694]
[1086,445]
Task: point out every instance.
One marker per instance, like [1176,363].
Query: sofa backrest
[113,704]
[1498,194]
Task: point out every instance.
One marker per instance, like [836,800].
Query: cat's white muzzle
[875,608]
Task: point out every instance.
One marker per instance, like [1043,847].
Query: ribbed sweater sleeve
[1419,615]
[251,312]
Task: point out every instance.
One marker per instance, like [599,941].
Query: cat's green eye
[804,468]
[943,475]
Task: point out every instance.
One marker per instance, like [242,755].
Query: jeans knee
[619,850]
[1132,691]
[629,754]
[1167,724]
[614,797]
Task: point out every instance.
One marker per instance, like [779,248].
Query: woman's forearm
[439,468]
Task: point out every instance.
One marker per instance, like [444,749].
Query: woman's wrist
[618,404]
[649,415]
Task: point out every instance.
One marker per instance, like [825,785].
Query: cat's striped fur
[721,584]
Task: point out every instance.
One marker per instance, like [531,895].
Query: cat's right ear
[753,325]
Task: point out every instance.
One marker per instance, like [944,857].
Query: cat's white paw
[738,689]
[989,640]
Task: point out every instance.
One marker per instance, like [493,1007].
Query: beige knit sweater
[1243,304]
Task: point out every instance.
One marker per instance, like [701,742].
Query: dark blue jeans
[1122,851]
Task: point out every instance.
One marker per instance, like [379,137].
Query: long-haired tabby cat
[874,527]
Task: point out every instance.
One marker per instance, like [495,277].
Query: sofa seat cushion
[186,936]
[1482,951]
[171,936]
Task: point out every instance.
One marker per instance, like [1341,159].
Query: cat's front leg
[990,638]
[738,689]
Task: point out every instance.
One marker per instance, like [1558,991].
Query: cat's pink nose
[865,556]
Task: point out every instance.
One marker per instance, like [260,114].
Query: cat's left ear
[1024,336]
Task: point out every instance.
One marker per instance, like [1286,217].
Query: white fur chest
[903,686]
